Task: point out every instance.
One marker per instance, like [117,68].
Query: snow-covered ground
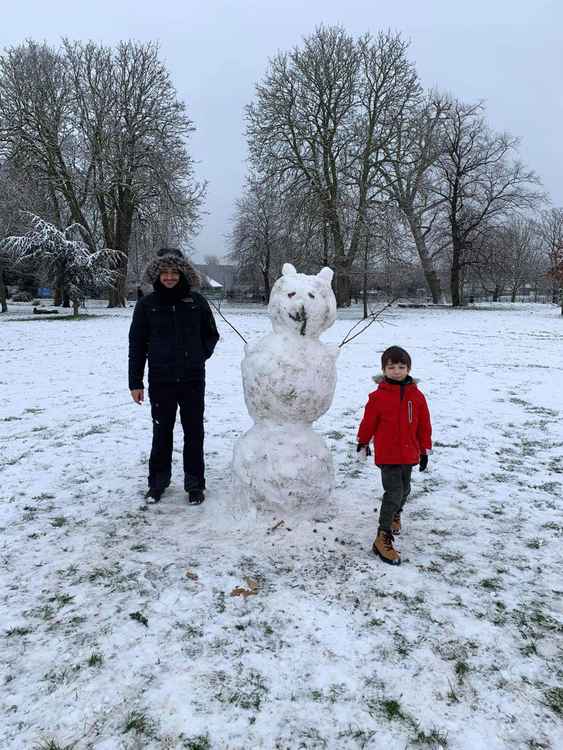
[118,627]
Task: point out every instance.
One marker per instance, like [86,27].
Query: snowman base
[282,469]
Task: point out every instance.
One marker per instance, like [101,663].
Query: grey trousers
[396,480]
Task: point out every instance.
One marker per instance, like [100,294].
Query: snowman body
[289,378]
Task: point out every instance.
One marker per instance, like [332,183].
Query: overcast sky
[507,52]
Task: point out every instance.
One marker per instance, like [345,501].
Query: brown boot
[396,524]
[383,548]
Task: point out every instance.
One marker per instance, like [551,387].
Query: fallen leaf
[252,589]
[191,575]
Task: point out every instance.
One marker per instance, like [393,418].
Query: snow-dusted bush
[66,263]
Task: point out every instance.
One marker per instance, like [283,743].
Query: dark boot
[196,497]
[153,495]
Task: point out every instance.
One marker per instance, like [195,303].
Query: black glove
[362,446]
[423,463]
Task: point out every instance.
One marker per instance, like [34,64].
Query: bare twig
[227,321]
[372,318]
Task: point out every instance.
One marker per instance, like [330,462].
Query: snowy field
[118,627]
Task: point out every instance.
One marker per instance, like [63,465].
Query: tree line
[96,137]
[353,164]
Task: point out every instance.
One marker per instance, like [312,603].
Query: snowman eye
[312,296]
[291,294]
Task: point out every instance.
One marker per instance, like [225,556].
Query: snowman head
[301,304]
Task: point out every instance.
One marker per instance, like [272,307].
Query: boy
[396,416]
[174,328]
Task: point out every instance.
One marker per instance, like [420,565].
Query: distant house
[210,287]
[220,273]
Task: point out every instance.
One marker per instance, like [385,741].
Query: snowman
[281,465]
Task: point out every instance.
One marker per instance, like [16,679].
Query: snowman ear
[326,274]
[288,270]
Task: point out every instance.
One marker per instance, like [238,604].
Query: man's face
[395,371]
[169,277]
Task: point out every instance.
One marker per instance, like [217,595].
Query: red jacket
[397,418]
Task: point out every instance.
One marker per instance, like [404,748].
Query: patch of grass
[96,429]
[52,744]
[461,669]
[95,660]
[451,695]
[190,631]
[554,698]
[19,631]
[98,573]
[58,521]
[199,742]
[490,584]
[434,738]
[552,488]
[139,617]
[139,548]
[62,599]
[552,526]
[335,435]
[529,649]
[137,722]
[360,737]
[392,710]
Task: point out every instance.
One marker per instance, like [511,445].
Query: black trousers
[165,398]
[396,479]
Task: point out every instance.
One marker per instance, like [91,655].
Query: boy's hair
[394,355]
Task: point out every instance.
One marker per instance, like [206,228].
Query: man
[174,328]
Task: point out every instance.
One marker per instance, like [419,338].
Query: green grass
[95,660]
[554,699]
[137,722]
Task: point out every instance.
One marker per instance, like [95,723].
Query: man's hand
[363,447]
[138,395]
[423,463]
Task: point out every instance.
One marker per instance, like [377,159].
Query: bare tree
[409,174]
[523,253]
[256,236]
[550,230]
[479,183]
[106,131]
[319,123]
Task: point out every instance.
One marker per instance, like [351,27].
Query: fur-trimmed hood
[172,260]
[381,379]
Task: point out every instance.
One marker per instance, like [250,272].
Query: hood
[181,264]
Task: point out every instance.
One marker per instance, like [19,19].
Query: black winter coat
[176,338]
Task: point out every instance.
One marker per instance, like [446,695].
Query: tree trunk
[430,274]
[365,281]
[124,219]
[496,293]
[3,292]
[66,299]
[343,285]
[75,307]
[57,296]
[455,276]
[266,279]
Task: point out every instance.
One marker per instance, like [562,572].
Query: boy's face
[169,277]
[396,371]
